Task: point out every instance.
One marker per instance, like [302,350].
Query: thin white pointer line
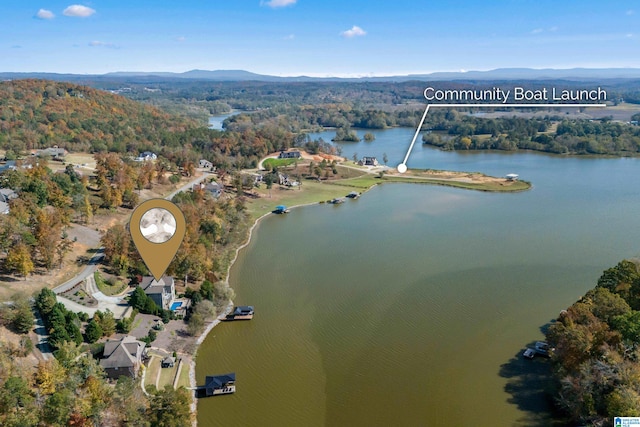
[426,110]
[415,136]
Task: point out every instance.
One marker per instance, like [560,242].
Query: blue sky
[314,37]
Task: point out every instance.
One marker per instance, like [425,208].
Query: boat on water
[336,201]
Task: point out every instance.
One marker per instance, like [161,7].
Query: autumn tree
[19,260]
[21,316]
[117,242]
[129,403]
[195,325]
[106,321]
[170,408]
[48,233]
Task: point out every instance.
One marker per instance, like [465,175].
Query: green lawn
[184,376]
[152,371]
[313,191]
[166,376]
[106,288]
[278,163]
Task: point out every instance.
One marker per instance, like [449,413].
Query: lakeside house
[512,177]
[55,152]
[292,154]
[286,180]
[205,164]
[368,161]
[162,292]
[146,156]
[220,384]
[122,357]
[212,188]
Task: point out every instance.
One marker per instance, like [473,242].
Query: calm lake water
[215,122]
[411,305]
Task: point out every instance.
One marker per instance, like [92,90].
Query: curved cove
[410,305]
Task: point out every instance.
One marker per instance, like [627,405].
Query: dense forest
[452,130]
[596,355]
[217,96]
[38,114]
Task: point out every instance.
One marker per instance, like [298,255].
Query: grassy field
[184,376]
[278,163]
[152,372]
[106,288]
[166,376]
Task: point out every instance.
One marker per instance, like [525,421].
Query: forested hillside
[596,356]
[40,113]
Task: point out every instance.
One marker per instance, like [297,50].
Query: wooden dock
[216,385]
[201,391]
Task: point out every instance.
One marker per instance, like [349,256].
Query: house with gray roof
[8,165]
[205,164]
[212,188]
[122,357]
[162,292]
[6,194]
[54,152]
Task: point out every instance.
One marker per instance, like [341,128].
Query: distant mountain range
[577,74]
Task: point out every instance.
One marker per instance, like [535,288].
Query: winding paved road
[103,300]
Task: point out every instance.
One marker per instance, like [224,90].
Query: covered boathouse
[220,384]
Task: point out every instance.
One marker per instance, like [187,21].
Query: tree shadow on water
[529,384]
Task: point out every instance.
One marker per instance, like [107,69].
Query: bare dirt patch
[9,341]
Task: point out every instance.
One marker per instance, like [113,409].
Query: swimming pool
[176,305]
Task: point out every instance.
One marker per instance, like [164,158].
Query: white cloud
[278,3]
[45,14]
[97,43]
[355,31]
[542,30]
[79,11]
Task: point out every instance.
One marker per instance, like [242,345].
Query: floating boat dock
[541,348]
[215,385]
[281,209]
[242,312]
[353,195]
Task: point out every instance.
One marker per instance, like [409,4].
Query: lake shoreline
[218,320]
[411,179]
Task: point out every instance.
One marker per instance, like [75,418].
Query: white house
[146,156]
[162,292]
